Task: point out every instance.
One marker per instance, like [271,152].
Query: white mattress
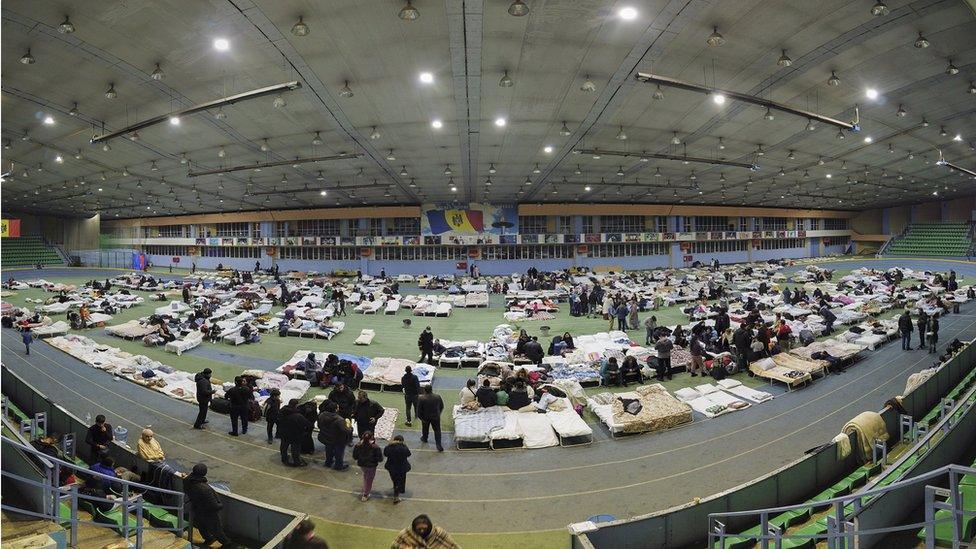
[536,430]
[511,430]
[567,422]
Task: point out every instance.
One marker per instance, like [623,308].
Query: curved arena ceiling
[468,102]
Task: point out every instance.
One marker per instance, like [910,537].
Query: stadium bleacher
[933,239]
[27,251]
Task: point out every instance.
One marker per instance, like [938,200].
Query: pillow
[687,394]
[706,389]
[765,364]
[729,383]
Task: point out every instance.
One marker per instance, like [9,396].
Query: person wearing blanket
[423,534]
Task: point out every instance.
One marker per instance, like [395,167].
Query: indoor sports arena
[432,274]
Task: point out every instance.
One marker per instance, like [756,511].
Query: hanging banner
[10,228]
[453,219]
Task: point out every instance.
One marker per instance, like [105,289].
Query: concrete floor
[535,491]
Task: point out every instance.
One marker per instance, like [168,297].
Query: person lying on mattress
[545,399]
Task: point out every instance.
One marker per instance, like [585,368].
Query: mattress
[660,410]
[567,422]
[510,430]
[792,362]
[537,430]
[736,388]
[477,425]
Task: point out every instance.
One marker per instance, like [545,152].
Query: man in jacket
[334,434]
[344,399]
[534,351]
[240,397]
[366,413]
[426,344]
[697,361]
[292,428]
[905,327]
[429,408]
[722,321]
[205,393]
[99,436]
[663,348]
[829,318]
[205,506]
[411,391]
[923,324]
[486,395]
[742,339]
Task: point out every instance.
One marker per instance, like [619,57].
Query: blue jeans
[622,324]
[334,454]
[906,341]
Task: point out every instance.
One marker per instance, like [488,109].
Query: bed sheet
[537,430]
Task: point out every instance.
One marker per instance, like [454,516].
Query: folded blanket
[843,442]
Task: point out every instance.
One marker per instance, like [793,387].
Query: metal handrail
[836,520]
[128,502]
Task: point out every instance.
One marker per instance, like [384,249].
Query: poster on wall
[453,219]
[10,228]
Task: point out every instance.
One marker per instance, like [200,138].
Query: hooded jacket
[205,390]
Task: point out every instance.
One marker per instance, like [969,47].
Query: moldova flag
[456,221]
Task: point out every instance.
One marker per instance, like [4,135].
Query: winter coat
[292,425]
[204,499]
[332,429]
[205,390]
[366,411]
[367,455]
[429,407]
[396,457]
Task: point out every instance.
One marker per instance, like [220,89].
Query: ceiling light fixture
[718,98]
[564,130]
[587,86]
[66,27]
[868,139]
[221,152]
[621,136]
[536,170]
[278,102]
[547,149]
[74,109]
[157,73]
[871,93]
[153,167]
[106,147]
[951,69]
[675,140]
[972,89]
[500,122]
[174,120]
[436,124]
[879,9]
[375,134]
[528,181]
[901,112]
[48,120]
[491,169]
[506,81]
[58,159]
[409,13]
[942,131]
[300,28]
[518,8]
[784,60]
[921,41]
[110,93]
[345,91]
[220,114]
[810,126]
[658,93]
[840,134]
[403,171]
[833,81]
[578,170]
[447,170]
[769,115]
[716,38]
[791,155]
[317,140]
[27,58]
[627,13]
[221,44]
[391,157]
[426,78]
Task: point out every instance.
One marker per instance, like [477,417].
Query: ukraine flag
[456,221]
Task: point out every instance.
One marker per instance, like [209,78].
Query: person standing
[933,333]
[426,344]
[240,397]
[28,336]
[292,429]
[368,456]
[397,464]
[411,391]
[905,327]
[334,434]
[205,506]
[663,348]
[622,313]
[429,408]
[632,308]
[650,324]
[272,407]
[205,393]
[99,436]
[303,537]
[697,350]
[922,323]
[366,413]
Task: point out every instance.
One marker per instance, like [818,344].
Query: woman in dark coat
[368,456]
[396,453]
